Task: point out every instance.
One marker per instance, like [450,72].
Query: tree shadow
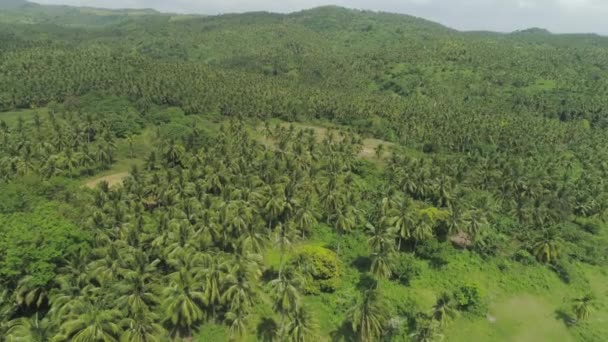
[344,333]
[267,330]
[565,317]
[366,282]
[437,262]
[362,263]
[269,275]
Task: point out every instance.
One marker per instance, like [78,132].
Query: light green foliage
[322,268]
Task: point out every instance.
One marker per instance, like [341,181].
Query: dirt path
[113,179]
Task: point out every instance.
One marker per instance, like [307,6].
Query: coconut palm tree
[427,330]
[183,303]
[88,321]
[136,292]
[582,307]
[401,219]
[142,327]
[547,247]
[444,310]
[369,316]
[344,221]
[301,327]
[285,292]
[30,329]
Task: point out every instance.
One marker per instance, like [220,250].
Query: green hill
[331,175]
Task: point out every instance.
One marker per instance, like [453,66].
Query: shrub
[468,298]
[435,252]
[406,268]
[490,244]
[567,272]
[321,267]
[590,225]
[524,257]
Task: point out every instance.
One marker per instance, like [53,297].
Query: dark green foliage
[468,298]
[524,257]
[436,252]
[35,244]
[14,197]
[406,268]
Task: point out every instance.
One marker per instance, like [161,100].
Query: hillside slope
[330,175]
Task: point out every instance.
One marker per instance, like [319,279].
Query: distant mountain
[25,12]
[533,30]
[10,4]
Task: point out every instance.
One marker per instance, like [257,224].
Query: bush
[321,267]
[468,299]
[435,252]
[524,257]
[490,244]
[406,268]
[590,225]
[567,272]
[35,244]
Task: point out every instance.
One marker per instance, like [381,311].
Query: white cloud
[498,15]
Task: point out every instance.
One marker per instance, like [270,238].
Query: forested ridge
[330,174]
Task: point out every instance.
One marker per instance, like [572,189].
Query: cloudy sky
[496,15]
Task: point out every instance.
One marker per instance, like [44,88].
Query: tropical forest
[325,175]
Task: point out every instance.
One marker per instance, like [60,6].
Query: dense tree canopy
[230,216]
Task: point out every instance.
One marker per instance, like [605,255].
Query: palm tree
[87,321]
[382,244]
[142,327]
[369,316]
[444,309]
[344,222]
[6,308]
[241,283]
[285,292]
[274,207]
[136,292]
[427,331]
[422,230]
[582,307]
[30,330]
[475,222]
[546,248]
[401,219]
[382,264]
[29,294]
[305,217]
[237,319]
[212,275]
[302,326]
[282,239]
[183,303]
[130,142]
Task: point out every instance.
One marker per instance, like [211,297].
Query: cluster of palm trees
[181,243]
[67,144]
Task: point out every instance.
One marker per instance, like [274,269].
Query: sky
[560,16]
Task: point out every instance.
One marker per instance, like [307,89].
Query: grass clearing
[11,117]
[368,149]
[113,180]
[521,318]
